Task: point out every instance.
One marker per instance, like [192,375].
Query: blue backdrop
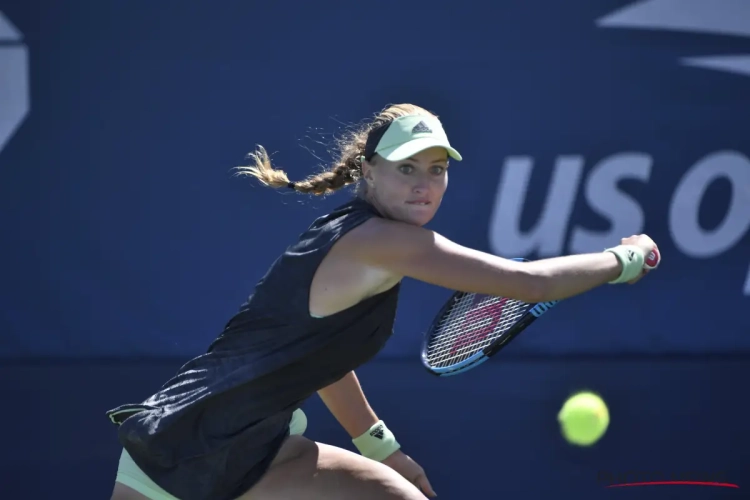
[126,235]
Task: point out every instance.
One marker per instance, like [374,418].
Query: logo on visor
[421,128]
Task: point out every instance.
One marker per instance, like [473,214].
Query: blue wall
[125,234]
[129,236]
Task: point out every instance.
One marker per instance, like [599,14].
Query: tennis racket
[471,327]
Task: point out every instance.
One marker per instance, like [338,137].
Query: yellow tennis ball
[583,419]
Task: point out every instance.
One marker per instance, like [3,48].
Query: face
[410,190]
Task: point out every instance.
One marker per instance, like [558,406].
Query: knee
[370,478]
[390,483]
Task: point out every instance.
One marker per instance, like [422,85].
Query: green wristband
[631,257]
[377,443]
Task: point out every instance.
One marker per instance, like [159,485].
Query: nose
[420,186]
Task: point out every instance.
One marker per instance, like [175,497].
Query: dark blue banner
[125,232]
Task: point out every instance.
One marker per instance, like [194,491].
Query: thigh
[307,470]
[132,483]
[122,492]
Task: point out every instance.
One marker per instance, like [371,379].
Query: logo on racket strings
[478,323]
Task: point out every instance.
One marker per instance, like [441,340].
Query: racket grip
[652,259]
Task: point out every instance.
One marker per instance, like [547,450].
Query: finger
[424,485]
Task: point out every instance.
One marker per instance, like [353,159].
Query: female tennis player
[228,424]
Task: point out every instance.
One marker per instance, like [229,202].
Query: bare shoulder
[344,277]
[378,240]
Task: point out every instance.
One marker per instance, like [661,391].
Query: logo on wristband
[377,432]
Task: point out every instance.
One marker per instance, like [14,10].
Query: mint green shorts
[129,474]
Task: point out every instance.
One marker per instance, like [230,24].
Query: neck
[367,196]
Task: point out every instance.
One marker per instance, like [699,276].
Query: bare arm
[347,403]
[424,255]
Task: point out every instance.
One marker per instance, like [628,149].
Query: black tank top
[213,429]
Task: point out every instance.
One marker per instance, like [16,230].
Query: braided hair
[346,170]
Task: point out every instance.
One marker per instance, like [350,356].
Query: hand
[411,470]
[644,243]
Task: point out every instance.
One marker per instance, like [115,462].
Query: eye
[405,168]
[437,169]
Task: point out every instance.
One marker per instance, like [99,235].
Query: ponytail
[346,170]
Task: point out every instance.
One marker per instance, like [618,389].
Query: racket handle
[652,259]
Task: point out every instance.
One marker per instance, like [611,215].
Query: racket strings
[472,323]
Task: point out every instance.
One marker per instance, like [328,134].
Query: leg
[133,484]
[304,470]
[307,470]
[122,492]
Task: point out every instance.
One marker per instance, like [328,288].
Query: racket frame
[476,359]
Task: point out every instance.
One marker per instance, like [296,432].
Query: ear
[367,170]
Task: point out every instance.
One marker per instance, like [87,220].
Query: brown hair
[346,170]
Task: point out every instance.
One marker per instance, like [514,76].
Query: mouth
[419,203]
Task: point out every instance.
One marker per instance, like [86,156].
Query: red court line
[689,483]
